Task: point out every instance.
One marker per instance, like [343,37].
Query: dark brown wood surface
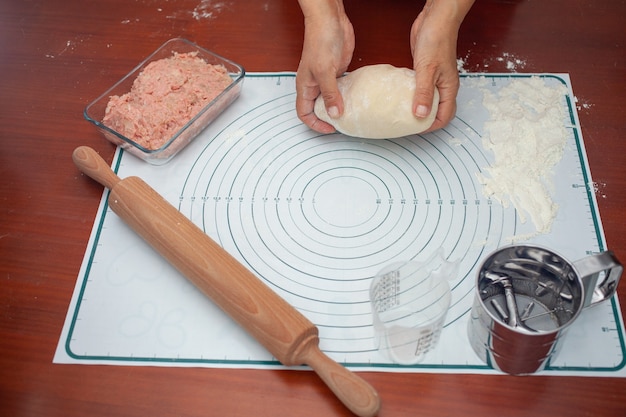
[57,55]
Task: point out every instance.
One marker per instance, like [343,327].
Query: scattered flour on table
[68,46]
[207,9]
[460,65]
[582,104]
[527,135]
[512,63]
[598,188]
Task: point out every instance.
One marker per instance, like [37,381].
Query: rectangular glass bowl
[95,111]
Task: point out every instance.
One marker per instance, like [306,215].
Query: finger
[313,122]
[305,103]
[424,92]
[333,102]
[445,113]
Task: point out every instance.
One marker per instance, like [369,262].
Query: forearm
[438,25]
[450,12]
[322,8]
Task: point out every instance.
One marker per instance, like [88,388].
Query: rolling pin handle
[92,165]
[353,391]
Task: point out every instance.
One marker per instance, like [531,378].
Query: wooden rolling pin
[279,327]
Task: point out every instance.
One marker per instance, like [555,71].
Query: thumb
[333,102]
[424,94]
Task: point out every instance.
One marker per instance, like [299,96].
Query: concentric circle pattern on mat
[317,216]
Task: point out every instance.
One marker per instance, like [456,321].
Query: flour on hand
[527,135]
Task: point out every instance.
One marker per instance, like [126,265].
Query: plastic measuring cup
[409,305]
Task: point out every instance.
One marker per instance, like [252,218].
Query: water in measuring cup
[409,305]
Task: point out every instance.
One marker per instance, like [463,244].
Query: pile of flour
[526,132]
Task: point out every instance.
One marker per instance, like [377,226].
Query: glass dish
[95,111]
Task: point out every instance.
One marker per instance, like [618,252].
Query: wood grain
[58,55]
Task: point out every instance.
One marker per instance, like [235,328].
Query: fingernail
[333,112]
[421,111]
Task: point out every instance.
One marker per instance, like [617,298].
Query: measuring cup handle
[590,270]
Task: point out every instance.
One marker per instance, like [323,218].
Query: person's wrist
[321,8]
[447,12]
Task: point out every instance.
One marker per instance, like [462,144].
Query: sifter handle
[600,274]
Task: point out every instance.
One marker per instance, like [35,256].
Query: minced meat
[165,96]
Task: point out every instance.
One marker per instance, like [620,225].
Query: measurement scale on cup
[316,217]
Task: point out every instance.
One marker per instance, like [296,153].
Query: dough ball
[378,103]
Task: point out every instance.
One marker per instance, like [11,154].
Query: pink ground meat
[165,96]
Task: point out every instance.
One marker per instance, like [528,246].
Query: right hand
[326,54]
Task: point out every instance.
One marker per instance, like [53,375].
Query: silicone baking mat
[316,217]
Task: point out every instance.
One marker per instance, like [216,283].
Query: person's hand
[433,45]
[326,54]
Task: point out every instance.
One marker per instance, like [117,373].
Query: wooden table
[57,55]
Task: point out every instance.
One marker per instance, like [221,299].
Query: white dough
[378,103]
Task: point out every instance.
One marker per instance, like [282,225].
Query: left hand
[433,44]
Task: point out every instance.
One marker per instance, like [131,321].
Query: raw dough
[378,103]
